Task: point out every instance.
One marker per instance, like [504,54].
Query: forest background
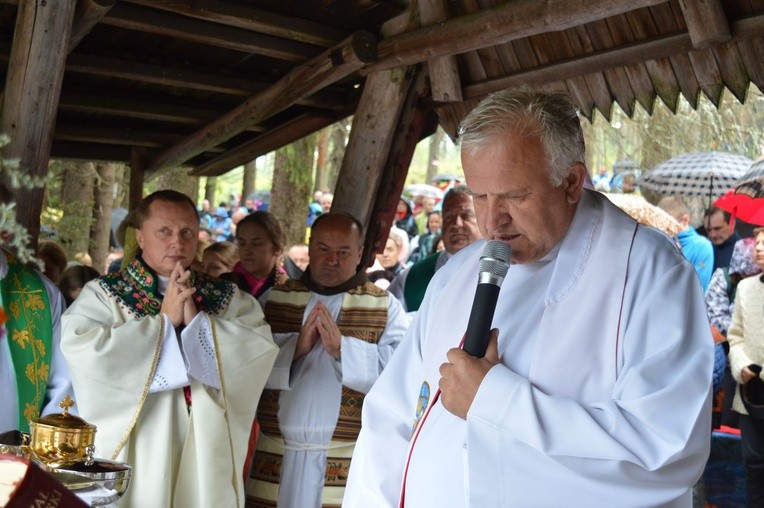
[81,196]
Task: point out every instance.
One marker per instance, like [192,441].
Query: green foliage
[11,173]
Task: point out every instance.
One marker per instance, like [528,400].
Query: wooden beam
[125,107]
[371,137]
[273,139]
[414,123]
[32,88]
[445,84]
[498,25]
[332,65]
[706,22]
[137,170]
[184,78]
[191,30]
[252,19]
[86,15]
[90,152]
[661,47]
[114,136]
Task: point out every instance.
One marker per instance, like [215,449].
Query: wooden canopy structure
[212,84]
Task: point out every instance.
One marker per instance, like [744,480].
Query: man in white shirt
[595,386]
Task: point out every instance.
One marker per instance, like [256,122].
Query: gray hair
[528,111]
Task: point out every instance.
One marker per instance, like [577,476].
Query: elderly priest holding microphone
[594,387]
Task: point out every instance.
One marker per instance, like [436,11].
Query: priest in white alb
[595,386]
[169,364]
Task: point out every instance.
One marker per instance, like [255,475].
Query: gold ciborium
[62,439]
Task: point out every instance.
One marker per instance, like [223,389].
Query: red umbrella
[746,200]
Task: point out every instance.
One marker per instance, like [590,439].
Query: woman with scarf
[261,242]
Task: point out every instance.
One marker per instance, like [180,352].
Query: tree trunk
[178,179]
[249,180]
[121,174]
[436,142]
[322,159]
[104,198]
[339,142]
[77,207]
[292,180]
[209,192]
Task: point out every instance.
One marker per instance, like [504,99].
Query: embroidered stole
[136,288]
[30,336]
[363,315]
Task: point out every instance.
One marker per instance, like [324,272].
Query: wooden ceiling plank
[579,92]
[86,15]
[136,108]
[445,83]
[501,24]
[113,135]
[642,85]
[252,19]
[732,69]
[160,23]
[664,81]
[600,92]
[708,75]
[284,134]
[90,151]
[706,22]
[332,65]
[619,82]
[177,77]
[685,76]
[751,51]
[617,57]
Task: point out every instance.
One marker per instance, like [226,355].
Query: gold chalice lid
[64,420]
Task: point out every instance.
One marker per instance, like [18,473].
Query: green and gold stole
[30,336]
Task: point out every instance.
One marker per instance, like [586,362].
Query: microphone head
[495,258]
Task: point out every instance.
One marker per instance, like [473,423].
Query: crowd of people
[226,366]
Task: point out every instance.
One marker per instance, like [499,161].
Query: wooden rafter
[497,25]
[706,22]
[445,85]
[252,19]
[86,15]
[332,65]
[635,53]
[273,139]
[192,30]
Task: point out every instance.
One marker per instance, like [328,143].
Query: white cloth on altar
[59,382]
[311,387]
[577,413]
[179,460]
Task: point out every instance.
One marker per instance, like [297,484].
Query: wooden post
[415,122]
[32,89]
[87,14]
[371,137]
[706,22]
[445,85]
[137,169]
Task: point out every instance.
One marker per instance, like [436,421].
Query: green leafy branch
[14,234]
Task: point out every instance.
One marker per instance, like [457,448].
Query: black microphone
[494,264]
